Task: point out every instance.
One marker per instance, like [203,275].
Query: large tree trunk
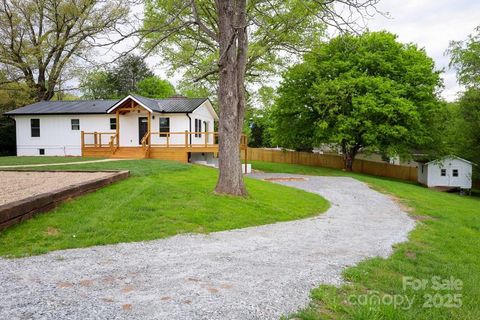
[349,154]
[231,95]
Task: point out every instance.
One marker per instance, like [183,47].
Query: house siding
[58,139]
[56,134]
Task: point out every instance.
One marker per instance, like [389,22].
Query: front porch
[156,145]
[136,137]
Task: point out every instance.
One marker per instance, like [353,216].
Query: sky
[431,24]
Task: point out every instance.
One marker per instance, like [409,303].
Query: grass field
[12,161]
[160,199]
[445,244]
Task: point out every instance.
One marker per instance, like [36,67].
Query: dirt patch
[212,290]
[401,204]
[128,289]
[285,179]
[127,307]
[86,283]
[64,285]
[410,254]
[52,231]
[423,218]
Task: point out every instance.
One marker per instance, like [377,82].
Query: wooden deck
[165,145]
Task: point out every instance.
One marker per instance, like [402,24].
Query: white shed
[450,171]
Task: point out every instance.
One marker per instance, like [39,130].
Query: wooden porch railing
[150,139]
[145,143]
[100,139]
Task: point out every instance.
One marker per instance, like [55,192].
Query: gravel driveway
[253,273]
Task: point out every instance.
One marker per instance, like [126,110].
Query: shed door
[455,176]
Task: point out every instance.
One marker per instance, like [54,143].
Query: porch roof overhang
[127,98]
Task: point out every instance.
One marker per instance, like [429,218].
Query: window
[35,127]
[443,172]
[455,172]
[113,123]
[198,127]
[41,152]
[164,126]
[75,124]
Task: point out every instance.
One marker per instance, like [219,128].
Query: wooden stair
[129,153]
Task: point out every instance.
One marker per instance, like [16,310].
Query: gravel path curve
[252,273]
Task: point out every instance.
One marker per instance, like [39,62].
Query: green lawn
[160,199]
[12,161]
[445,243]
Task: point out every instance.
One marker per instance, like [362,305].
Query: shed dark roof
[169,105]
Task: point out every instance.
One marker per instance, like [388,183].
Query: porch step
[129,153]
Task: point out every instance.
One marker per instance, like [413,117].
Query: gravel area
[253,273]
[16,185]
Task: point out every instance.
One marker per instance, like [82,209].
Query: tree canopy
[154,87]
[185,34]
[464,123]
[360,92]
[223,43]
[39,39]
[465,57]
[130,74]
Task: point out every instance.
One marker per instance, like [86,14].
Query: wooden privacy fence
[333,161]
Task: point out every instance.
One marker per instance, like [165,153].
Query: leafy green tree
[465,57]
[258,119]
[129,75]
[12,96]
[98,84]
[366,92]
[223,43]
[128,72]
[39,39]
[154,87]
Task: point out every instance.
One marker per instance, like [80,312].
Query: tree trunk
[231,95]
[349,154]
[348,161]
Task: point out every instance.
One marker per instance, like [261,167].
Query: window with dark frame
[455,172]
[164,126]
[443,172]
[35,127]
[41,152]
[113,123]
[198,128]
[75,124]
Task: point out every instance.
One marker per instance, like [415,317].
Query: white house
[450,171]
[176,128]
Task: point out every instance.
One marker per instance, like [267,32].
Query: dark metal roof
[169,105]
[64,107]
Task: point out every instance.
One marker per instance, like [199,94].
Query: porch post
[246,154]
[149,125]
[118,127]
[82,135]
